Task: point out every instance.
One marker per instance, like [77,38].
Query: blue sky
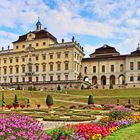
[92,22]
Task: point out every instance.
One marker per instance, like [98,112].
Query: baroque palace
[38,60]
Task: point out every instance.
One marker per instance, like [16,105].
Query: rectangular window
[94,69]
[30,68]
[16,59]
[23,59]
[58,66]
[36,57]
[16,47]
[17,80]
[58,78]
[66,77]
[66,66]
[51,67]
[44,57]
[131,78]
[23,69]
[138,65]
[5,70]
[4,61]
[11,80]
[51,56]
[44,78]
[44,67]
[37,68]
[103,68]
[23,79]
[85,70]
[66,55]
[30,45]
[37,44]
[112,68]
[58,55]
[51,78]
[11,70]
[37,79]
[23,46]
[17,70]
[11,60]
[131,65]
[121,68]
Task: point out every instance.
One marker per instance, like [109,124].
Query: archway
[103,80]
[86,79]
[121,79]
[94,80]
[112,80]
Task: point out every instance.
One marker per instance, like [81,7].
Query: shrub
[34,89]
[22,106]
[120,112]
[30,88]
[82,87]
[9,106]
[90,100]
[28,103]
[38,106]
[3,101]
[118,102]
[49,101]
[59,88]
[18,88]
[15,103]
[15,127]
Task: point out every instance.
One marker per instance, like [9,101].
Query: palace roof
[38,35]
[104,50]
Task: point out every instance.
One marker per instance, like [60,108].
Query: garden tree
[90,100]
[28,103]
[18,88]
[59,88]
[82,87]
[3,101]
[49,101]
[118,102]
[129,101]
[15,103]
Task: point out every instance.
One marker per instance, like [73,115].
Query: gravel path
[55,124]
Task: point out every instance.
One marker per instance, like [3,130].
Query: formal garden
[77,114]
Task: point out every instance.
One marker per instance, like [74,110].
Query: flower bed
[15,127]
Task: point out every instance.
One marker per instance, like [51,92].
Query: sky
[93,23]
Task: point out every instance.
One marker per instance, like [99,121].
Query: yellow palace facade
[37,59]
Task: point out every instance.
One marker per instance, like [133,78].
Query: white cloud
[108,19]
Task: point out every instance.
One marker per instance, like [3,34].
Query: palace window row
[30,68]
[37,79]
[37,44]
[132,78]
[51,56]
[132,65]
[103,68]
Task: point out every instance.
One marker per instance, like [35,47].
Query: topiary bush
[120,112]
[3,101]
[15,103]
[58,88]
[49,101]
[90,100]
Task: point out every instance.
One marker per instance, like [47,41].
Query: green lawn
[70,97]
[129,133]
